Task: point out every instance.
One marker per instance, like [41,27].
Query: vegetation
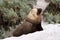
[52,13]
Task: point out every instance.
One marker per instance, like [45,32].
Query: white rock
[51,32]
[42,4]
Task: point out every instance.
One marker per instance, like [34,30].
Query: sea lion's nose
[39,10]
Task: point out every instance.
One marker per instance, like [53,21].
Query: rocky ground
[50,32]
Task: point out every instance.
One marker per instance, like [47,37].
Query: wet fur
[28,26]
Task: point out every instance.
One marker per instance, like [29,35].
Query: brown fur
[1,18]
[28,26]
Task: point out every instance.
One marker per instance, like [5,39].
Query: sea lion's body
[31,24]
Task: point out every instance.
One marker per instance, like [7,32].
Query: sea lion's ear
[39,10]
